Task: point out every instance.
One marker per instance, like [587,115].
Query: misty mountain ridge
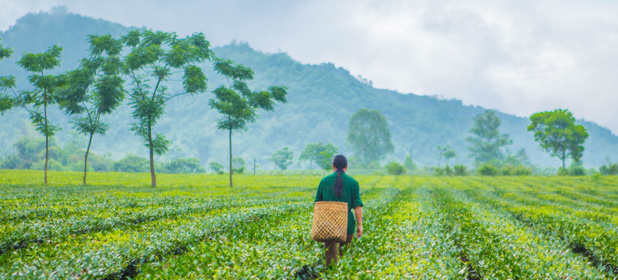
[321,99]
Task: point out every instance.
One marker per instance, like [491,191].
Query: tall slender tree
[237,103]
[487,141]
[154,59]
[44,94]
[94,89]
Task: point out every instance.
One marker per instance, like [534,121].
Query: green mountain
[321,100]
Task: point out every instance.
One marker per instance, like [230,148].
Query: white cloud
[516,56]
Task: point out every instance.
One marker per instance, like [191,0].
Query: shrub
[519,170]
[448,171]
[506,170]
[609,169]
[394,168]
[522,171]
[13,161]
[577,171]
[487,170]
[183,165]
[131,163]
[216,167]
[438,171]
[460,169]
[98,163]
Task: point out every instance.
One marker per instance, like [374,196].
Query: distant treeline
[31,152]
[31,155]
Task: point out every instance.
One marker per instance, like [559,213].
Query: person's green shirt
[350,195]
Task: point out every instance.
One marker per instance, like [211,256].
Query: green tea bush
[195,227]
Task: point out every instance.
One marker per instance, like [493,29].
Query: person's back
[343,188]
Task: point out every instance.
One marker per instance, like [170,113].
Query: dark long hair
[340,162]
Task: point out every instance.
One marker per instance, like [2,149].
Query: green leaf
[227,68]
[132,39]
[104,44]
[263,101]
[160,145]
[42,61]
[109,93]
[194,79]
[5,52]
[6,103]
[7,82]
[278,93]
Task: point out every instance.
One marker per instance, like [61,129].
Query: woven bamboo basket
[330,221]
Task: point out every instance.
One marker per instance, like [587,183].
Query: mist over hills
[321,99]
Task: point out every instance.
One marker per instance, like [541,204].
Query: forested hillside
[321,99]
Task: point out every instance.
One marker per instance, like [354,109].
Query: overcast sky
[519,57]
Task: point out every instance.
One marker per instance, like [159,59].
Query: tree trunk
[46,136]
[563,159]
[46,154]
[153,176]
[86,157]
[231,170]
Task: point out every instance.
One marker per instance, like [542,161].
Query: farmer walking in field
[342,188]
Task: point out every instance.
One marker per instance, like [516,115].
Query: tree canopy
[319,153]
[486,142]
[369,136]
[7,83]
[558,134]
[283,158]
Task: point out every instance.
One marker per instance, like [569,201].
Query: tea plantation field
[196,227]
